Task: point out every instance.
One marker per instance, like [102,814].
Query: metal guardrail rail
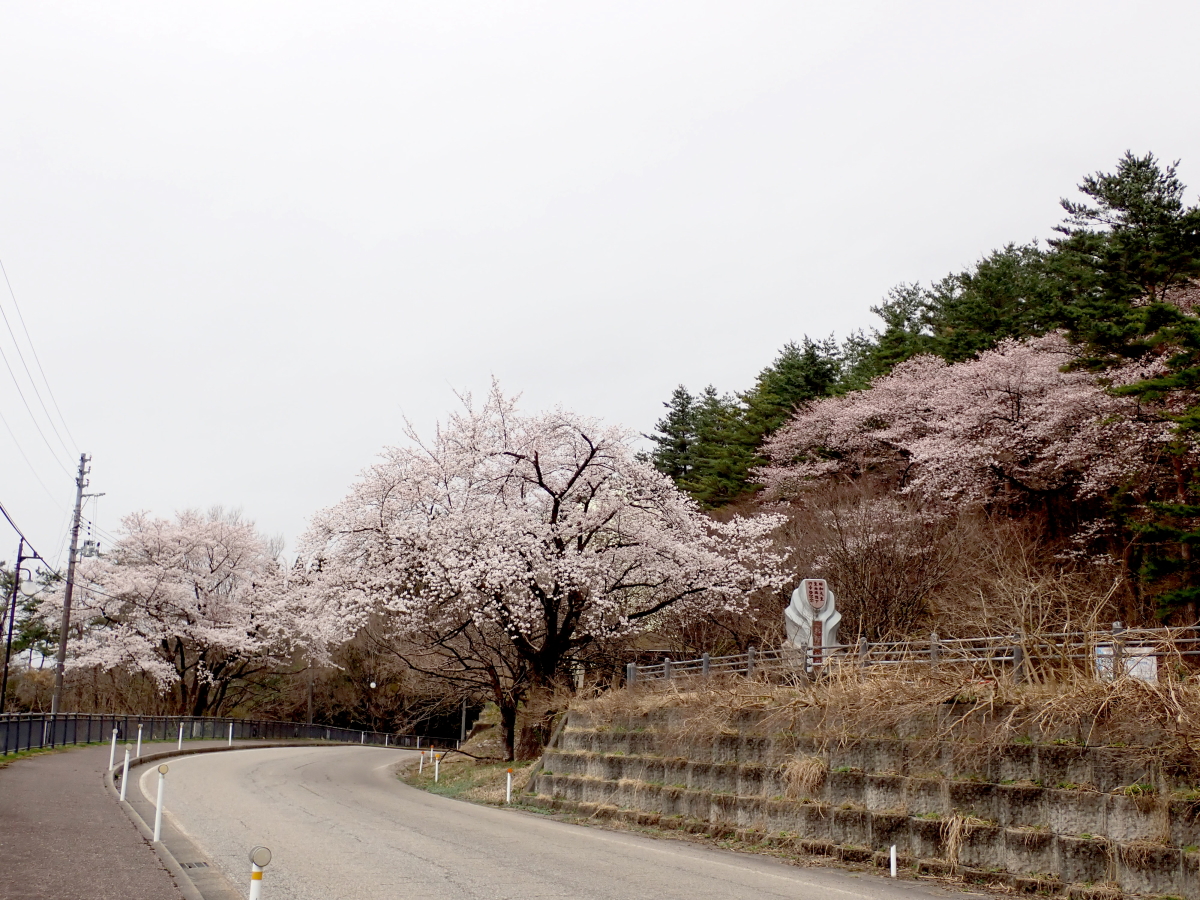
[1117,650]
[32,731]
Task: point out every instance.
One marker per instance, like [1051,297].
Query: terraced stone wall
[1052,818]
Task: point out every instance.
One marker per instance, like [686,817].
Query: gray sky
[247,239]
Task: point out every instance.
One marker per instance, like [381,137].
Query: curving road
[342,827]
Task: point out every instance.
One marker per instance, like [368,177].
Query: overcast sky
[248,239]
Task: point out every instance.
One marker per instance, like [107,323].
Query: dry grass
[978,716]
[804,775]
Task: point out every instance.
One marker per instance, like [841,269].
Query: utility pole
[12,617]
[80,484]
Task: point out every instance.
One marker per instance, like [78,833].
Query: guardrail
[1119,650]
[31,731]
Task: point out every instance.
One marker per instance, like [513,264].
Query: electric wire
[28,543]
[25,365]
[32,470]
[37,359]
[29,409]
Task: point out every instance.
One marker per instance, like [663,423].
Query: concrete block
[751,813]
[885,757]
[970,798]
[1136,818]
[846,787]
[724,808]
[1062,765]
[813,821]
[850,826]
[925,838]
[1113,768]
[1084,860]
[882,792]
[1075,812]
[889,828]
[1030,852]
[1016,763]
[1147,868]
[924,796]
[750,780]
[983,847]
[1017,805]
[1185,823]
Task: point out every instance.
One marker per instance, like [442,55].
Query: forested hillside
[1032,419]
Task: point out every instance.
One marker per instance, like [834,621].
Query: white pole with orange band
[259,858]
[508,788]
[158,807]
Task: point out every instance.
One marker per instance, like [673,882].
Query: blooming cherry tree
[1013,422]
[507,548]
[197,603]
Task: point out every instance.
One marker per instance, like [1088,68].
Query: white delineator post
[362,737]
[180,746]
[230,734]
[112,752]
[508,788]
[139,749]
[893,860]
[437,766]
[421,765]
[259,857]
[158,807]
[125,774]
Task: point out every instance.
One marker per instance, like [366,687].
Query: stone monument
[812,618]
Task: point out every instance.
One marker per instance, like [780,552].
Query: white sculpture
[812,618]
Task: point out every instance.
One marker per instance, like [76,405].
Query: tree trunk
[508,724]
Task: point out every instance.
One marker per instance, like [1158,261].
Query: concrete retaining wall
[1076,820]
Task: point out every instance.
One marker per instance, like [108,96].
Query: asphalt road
[342,827]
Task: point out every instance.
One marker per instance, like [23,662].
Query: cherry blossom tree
[508,548]
[1015,423]
[197,603]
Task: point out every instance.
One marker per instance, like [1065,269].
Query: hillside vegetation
[1014,447]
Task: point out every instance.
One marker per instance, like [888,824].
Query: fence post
[863,651]
[1118,645]
[630,674]
[1018,659]
[934,653]
[667,669]
[705,664]
[750,662]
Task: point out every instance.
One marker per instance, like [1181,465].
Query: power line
[29,409]
[37,360]
[21,533]
[37,477]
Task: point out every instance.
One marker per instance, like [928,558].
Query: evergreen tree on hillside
[1005,296]
[709,444]
[721,463]
[1119,259]
[674,436]
[800,373]
[1122,265]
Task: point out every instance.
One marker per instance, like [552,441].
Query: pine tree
[1118,265]
[674,436]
